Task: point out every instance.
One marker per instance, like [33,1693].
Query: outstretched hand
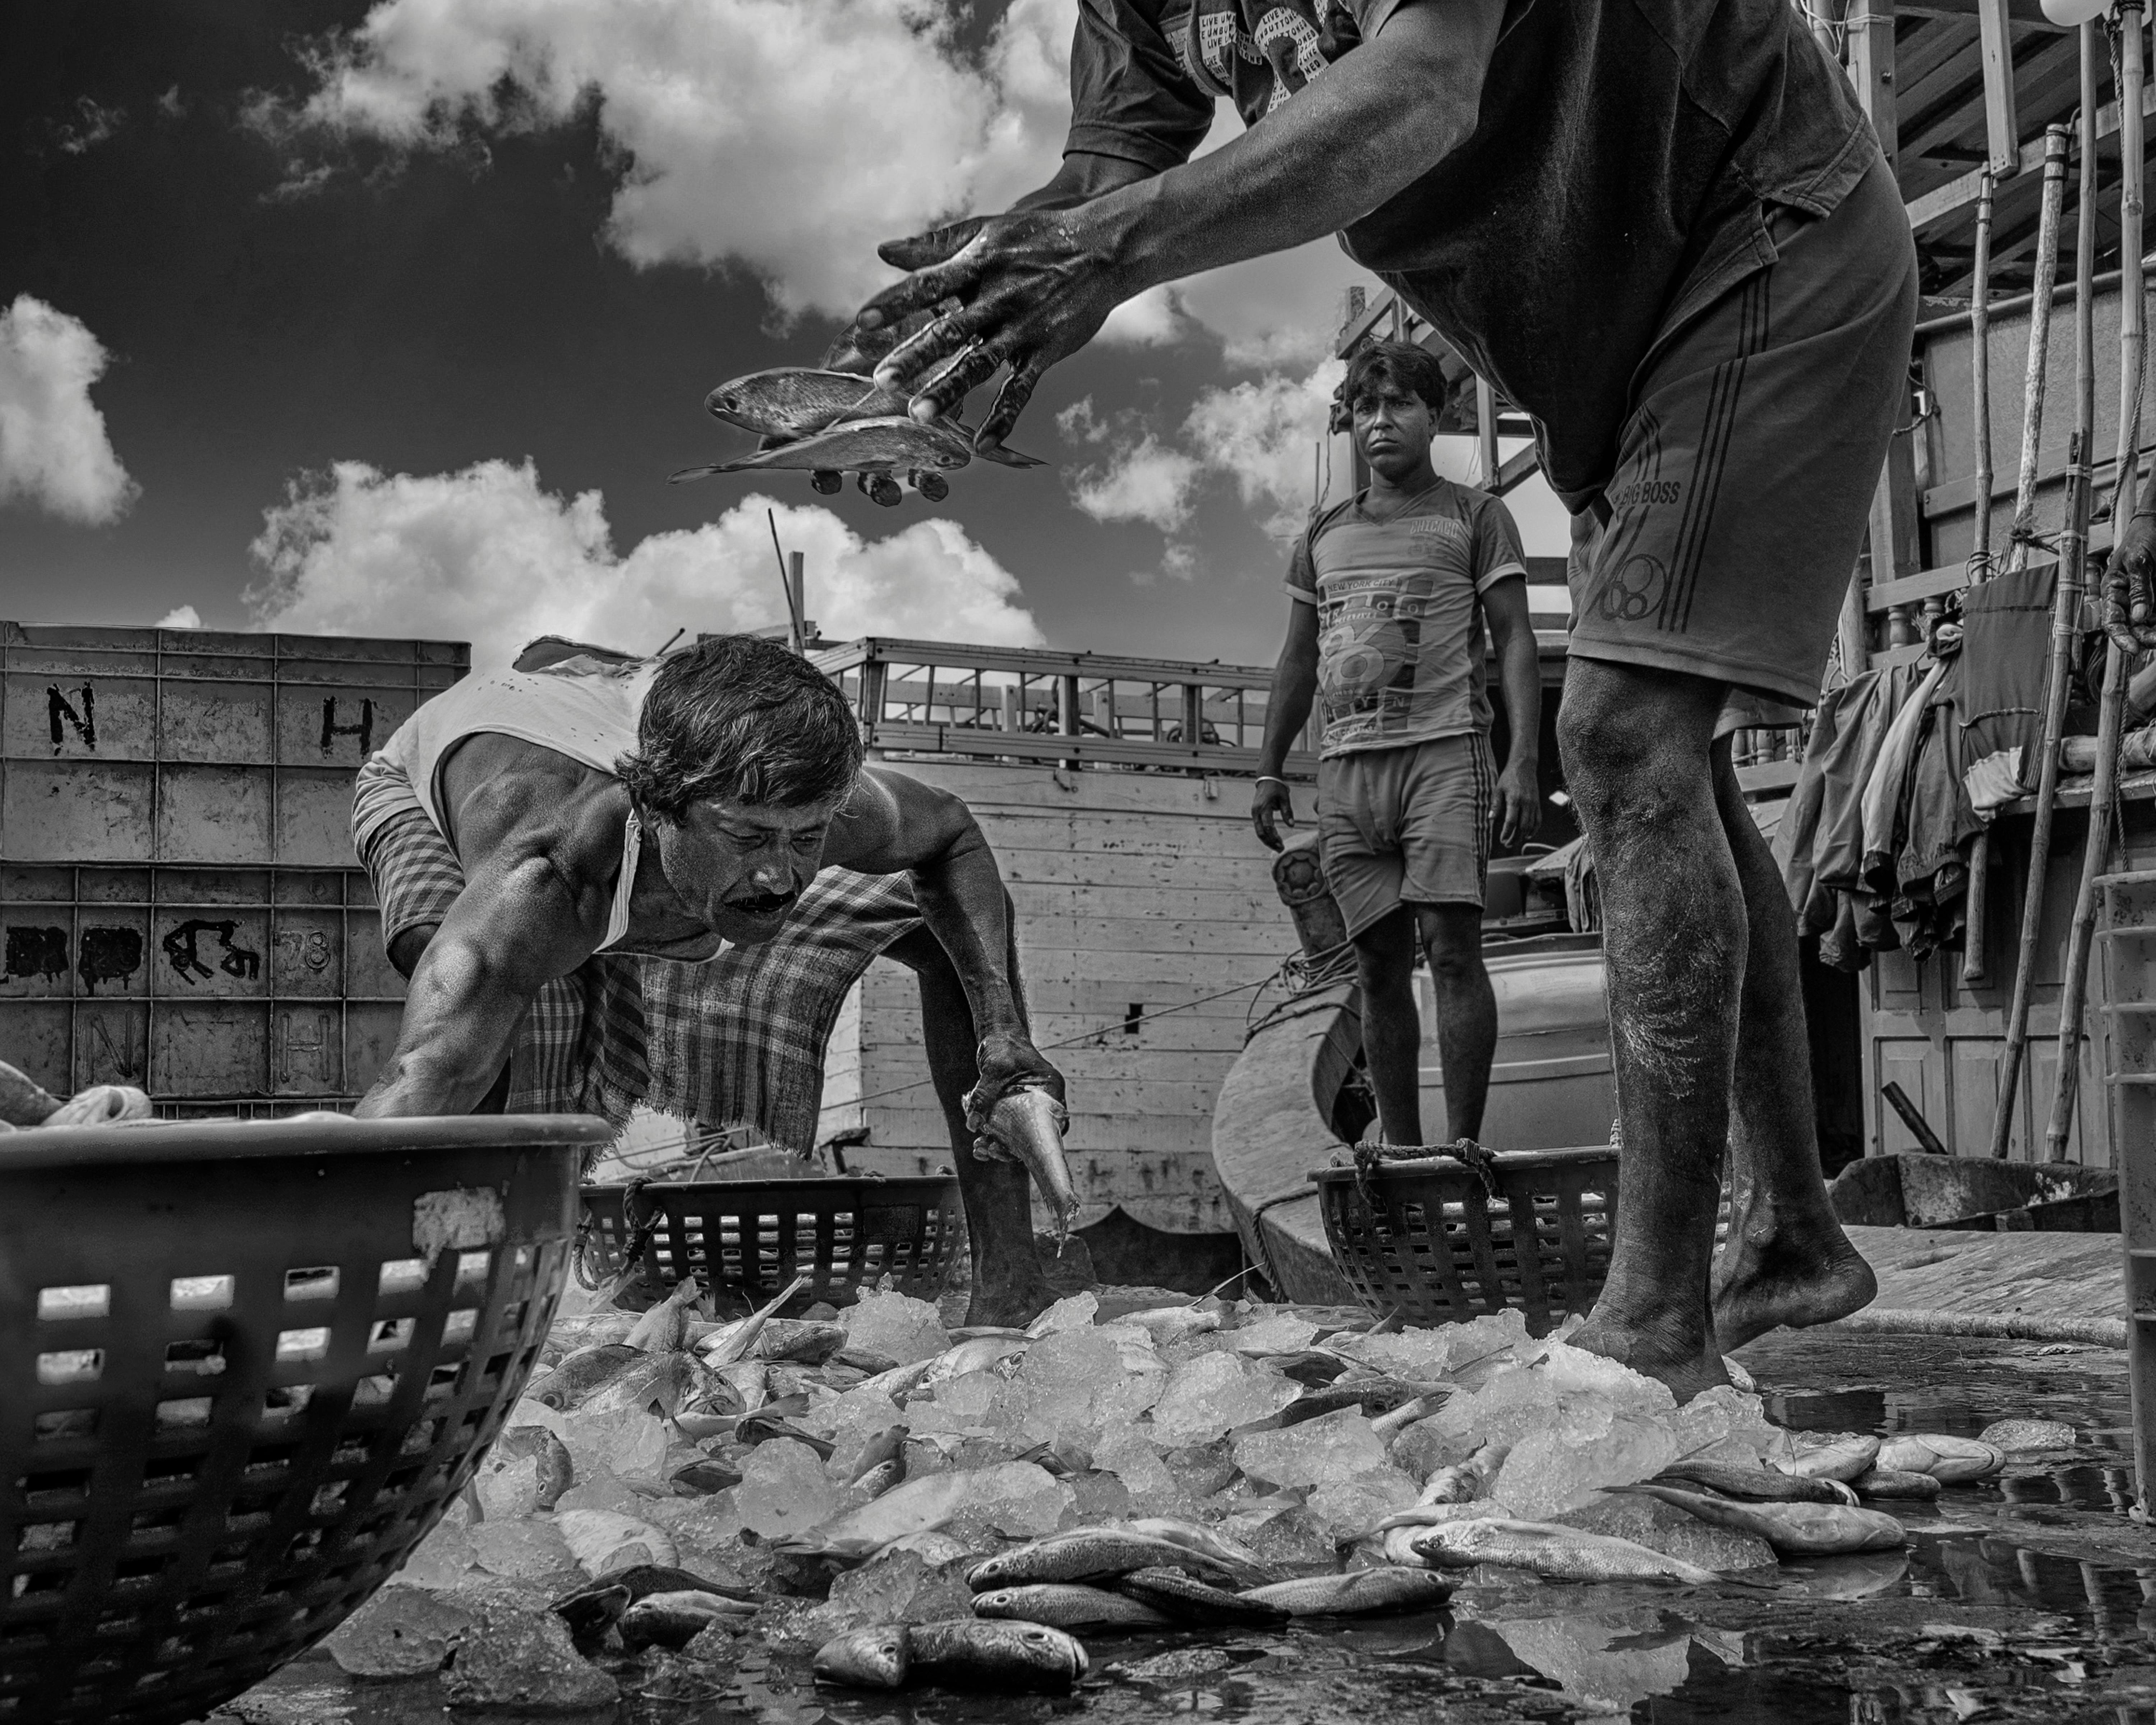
[2129,605]
[1006,1060]
[1023,290]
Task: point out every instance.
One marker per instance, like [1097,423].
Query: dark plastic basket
[1426,1238]
[747,1240]
[252,1362]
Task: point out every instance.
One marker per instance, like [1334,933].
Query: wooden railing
[1074,710]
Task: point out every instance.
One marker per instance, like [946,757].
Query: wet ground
[2030,1598]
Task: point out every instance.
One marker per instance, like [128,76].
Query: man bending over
[618,826]
[1389,593]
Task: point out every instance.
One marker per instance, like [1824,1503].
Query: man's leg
[1635,748]
[1009,1287]
[1466,1011]
[1392,1029]
[1787,1261]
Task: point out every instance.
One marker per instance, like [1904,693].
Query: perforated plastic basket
[747,1240]
[1427,1238]
[247,1364]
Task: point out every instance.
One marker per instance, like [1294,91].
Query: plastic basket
[1429,1239]
[747,1240]
[251,1364]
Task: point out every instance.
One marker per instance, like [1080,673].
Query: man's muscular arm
[515,815]
[1036,285]
[893,825]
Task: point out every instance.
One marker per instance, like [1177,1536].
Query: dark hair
[740,717]
[1401,363]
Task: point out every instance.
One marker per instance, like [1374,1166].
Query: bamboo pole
[2103,797]
[1976,955]
[2056,146]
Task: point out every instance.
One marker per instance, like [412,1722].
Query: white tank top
[581,708]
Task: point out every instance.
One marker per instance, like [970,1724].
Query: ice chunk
[1201,1468]
[1096,1497]
[522,1659]
[1334,1446]
[1283,1533]
[1216,1394]
[508,1488]
[601,1491]
[1074,1311]
[1347,1509]
[1566,1465]
[1282,1333]
[601,1540]
[629,1443]
[1666,1528]
[1425,1447]
[902,1587]
[900,1328]
[1420,1356]
[1079,1381]
[1724,1424]
[529,1549]
[1618,1658]
[783,1489]
[444,1557]
[1126,1454]
[1576,1371]
[401,1632]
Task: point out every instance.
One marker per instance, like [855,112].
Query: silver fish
[1091,1554]
[1359,1592]
[1237,1559]
[675,1619]
[1463,1481]
[1758,1485]
[881,1478]
[865,1659]
[795,401]
[1895,1482]
[896,444]
[968,1653]
[556,1472]
[1950,1461]
[1026,1126]
[584,1373]
[1069,1606]
[664,1328]
[1836,1458]
[1186,1599]
[1795,1530]
[1553,1552]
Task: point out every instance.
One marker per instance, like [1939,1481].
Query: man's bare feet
[1776,1270]
[1655,1349]
[1012,1305]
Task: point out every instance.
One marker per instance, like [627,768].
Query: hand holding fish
[1023,289]
[1006,1060]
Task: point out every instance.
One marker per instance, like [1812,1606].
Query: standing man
[1389,594]
[1663,228]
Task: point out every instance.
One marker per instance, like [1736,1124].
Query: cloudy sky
[393,318]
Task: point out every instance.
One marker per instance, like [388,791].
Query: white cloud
[783,136]
[180,617]
[1263,436]
[1142,481]
[55,455]
[487,556]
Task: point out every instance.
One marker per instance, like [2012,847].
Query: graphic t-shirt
[1622,153]
[1399,614]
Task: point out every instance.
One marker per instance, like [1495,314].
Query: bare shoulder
[891,821]
[508,801]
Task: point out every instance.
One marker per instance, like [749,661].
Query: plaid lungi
[735,1040]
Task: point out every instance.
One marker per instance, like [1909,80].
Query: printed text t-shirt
[1400,646]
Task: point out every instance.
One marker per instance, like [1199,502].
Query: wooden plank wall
[1134,890]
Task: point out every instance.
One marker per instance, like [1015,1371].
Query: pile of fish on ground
[914,1505]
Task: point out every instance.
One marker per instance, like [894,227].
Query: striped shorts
[1406,826]
[1724,542]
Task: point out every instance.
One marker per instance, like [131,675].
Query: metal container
[191,745]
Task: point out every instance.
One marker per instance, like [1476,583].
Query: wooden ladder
[2126,937]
